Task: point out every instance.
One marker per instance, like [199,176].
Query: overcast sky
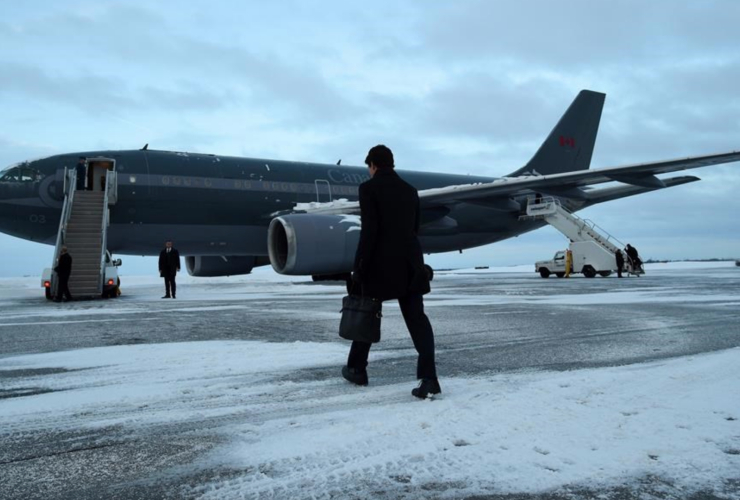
[460,87]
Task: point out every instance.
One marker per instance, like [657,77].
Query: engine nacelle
[303,244]
[220,266]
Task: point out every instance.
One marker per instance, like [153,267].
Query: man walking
[389,265]
[63,270]
[169,265]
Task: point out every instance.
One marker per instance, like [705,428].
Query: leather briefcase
[361,319]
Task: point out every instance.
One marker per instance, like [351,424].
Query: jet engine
[303,244]
[222,266]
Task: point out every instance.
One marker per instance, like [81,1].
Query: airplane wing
[639,177]
[567,183]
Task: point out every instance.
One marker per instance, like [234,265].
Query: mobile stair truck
[592,249]
[83,229]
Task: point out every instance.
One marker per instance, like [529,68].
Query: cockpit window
[21,173]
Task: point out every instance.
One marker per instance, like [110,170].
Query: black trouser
[169,283]
[619,270]
[412,308]
[63,288]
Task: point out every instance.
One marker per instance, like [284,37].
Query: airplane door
[97,169]
[323,191]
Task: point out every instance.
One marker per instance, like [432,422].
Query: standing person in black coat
[169,265]
[389,265]
[81,169]
[63,270]
[620,262]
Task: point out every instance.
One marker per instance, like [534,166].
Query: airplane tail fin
[570,145]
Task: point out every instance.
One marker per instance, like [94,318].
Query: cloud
[146,51]
[469,87]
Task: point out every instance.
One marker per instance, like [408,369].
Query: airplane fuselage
[218,205]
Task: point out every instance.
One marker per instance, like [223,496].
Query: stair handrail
[104,231]
[600,230]
[600,234]
[69,188]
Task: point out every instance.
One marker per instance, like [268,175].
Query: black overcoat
[169,263]
[64,267]
[620,258]
[389,257]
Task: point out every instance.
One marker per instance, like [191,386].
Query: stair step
[83,251]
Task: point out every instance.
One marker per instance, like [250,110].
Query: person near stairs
[81,173]
[633,256]
[169,265]
[619,256]
[63,270]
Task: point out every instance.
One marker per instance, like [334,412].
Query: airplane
[228,215]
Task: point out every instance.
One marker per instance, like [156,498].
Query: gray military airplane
[229,215]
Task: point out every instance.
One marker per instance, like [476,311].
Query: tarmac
[484,322]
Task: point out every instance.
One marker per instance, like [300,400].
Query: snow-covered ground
[515,432]
[287,436]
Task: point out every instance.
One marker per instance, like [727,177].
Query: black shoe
[166,297]
[358,377]
[174,297]
[426,387]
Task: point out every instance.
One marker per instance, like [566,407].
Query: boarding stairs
[576,229]
[83,230]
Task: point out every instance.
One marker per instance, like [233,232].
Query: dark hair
[381,156]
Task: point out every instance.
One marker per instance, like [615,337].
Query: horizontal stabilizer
[648,181]
[614,193]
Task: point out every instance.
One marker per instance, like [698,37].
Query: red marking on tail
[567,141]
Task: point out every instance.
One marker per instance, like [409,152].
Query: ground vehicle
[554,266]
[588,258]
